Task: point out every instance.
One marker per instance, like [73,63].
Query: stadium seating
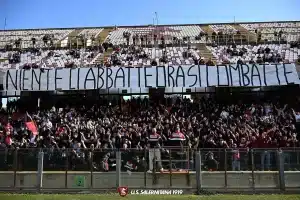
[288,54]
[58,59]
[8,37]
[173,42]
[174,56]
[116,37]
[290,30]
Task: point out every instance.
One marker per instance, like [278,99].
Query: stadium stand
[275,31]
[154,56]
[42,37]
[102,124]
[169,33]
[71,128]
[50,58]
[136,46]
[273,53]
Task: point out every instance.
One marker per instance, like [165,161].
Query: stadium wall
[219,181]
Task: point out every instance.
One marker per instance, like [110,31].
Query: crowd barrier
[244,38]
[50,170]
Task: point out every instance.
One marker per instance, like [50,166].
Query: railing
[184,168]
[225,39]
[184,159]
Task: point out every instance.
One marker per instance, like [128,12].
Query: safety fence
[178,168]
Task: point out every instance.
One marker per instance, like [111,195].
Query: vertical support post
[241,38]
[118,168]
[15,166]
[39,102]
[252,169]
[198,172]
[40,170]
[188,180]
[280,157]
[225,168]
[249,35]
[67,167]
[92,169]
[77,45]
[145,167]
[154,178]
[297,153]
[170,169]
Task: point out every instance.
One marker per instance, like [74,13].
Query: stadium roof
[133,26]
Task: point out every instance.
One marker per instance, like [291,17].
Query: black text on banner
[149,76]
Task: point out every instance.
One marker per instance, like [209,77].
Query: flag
[16,116]
[32,127]
[8,140]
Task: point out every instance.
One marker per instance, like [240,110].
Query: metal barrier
[224,39]
[177,168]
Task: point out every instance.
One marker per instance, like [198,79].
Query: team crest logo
[123,191]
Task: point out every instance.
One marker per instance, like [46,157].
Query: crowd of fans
[86,132]
[135,53]
[132,52]
[14,58]
[268,55]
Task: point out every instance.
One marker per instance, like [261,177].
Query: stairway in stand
[245,33]
[205,52]
[103,34]
[207,29]
[72,36]
[102,57]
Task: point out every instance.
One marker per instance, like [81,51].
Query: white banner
[149,76]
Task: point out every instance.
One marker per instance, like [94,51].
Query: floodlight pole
[4,24]
[156,16]
[4,28]
[153,32]
[157,32]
